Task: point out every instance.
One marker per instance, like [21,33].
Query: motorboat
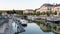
[23,22]
[52,19]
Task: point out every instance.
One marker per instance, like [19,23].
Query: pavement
[3,27]
[7,28]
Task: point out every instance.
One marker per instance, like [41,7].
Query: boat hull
[52,21]
[24,24]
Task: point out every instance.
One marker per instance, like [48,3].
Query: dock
[20,27]
[7,28]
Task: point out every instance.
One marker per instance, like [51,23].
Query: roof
[57,5]
[48,5]
[51,5]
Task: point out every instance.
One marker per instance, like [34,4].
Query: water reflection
[50,27]
[45,28]
[16,28]
[33,28]
[24,25]
[39,28]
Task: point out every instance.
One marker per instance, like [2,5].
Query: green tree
[38,13]
[14,11]
[10,12]
[0,12]
[48,13]
[20,12]
[55,13]
[43,13]
[51,12]
[34,13]
[59,13]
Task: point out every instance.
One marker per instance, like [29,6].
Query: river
[33,28]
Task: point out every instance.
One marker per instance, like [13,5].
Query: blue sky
[24,4]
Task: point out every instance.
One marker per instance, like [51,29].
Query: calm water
[40,28]
[32,28]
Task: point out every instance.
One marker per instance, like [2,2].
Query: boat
[52,19]
[20,21]
[23,22]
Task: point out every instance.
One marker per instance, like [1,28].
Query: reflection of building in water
[56,29]
[50,28]
[45,28]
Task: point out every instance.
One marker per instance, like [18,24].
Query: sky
[24,4]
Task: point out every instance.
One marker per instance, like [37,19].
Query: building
[49,7]
[28,11]
[45,8]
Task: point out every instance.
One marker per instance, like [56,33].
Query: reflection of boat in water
[24,25]
[52,19]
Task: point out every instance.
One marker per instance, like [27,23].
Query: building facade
[49,7]
[28,11]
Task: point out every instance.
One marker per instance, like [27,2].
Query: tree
[59,13]
[10,12]
[34,13]
[51,12]
[55,12]
[0,12]
[43,13]
[20,12]
[14,11]
[48,13]
[38,13]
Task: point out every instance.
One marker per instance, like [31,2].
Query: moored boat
[23,22]
[52,19]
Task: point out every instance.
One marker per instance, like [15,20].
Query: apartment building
[49,7]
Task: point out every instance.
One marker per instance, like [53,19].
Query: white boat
[23,22]
[52,19]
